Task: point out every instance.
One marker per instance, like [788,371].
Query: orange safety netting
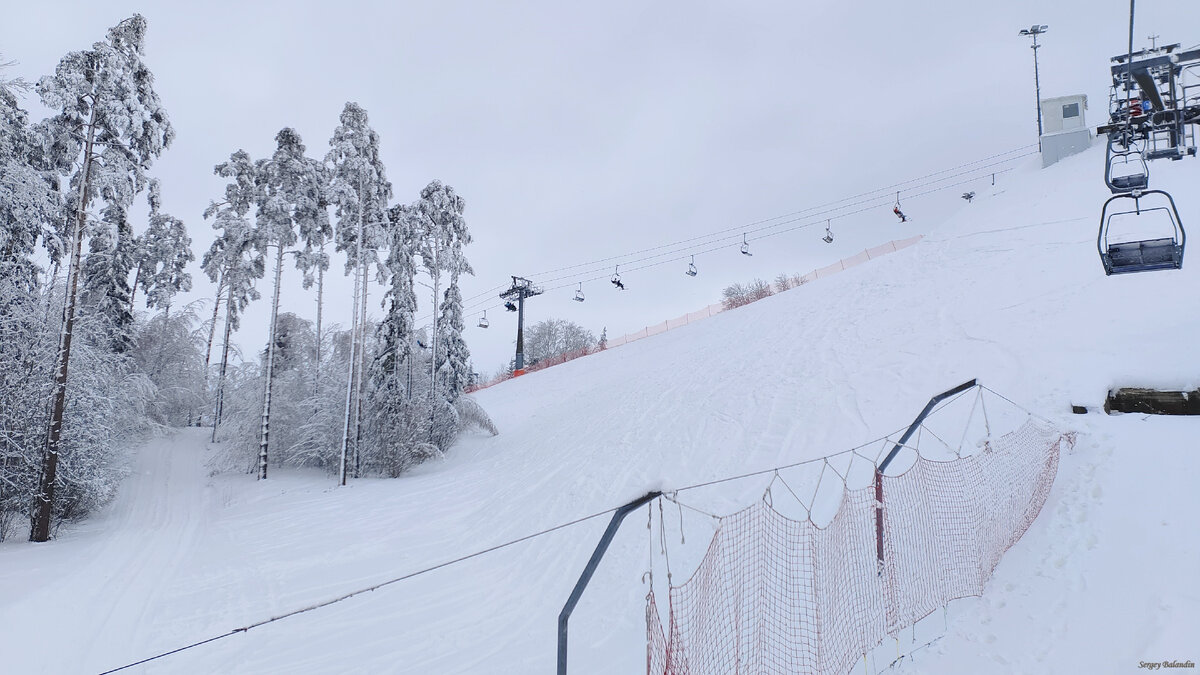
[776,595]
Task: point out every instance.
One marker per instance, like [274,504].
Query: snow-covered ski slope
[1009,290]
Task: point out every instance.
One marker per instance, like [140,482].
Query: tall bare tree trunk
[137,275]
[352,382]
[212,329]
[40,530]
[219,406]
[51,285]
[362,364]
[266,414]
[320,307]
[437,276]
[350,377]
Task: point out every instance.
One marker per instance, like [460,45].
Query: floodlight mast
[522,288]
[1034,31]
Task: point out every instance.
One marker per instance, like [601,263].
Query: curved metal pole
[589,570]
[912,428]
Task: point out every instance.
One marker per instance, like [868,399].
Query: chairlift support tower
[521,288]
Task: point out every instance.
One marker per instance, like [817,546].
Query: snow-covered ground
[1009,290]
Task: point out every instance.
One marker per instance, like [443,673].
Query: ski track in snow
[1103,579]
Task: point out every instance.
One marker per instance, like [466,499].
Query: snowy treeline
[377,396]
[80,372]
[736,295]
[84,371]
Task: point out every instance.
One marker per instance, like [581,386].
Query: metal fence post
[589,570]
[892,455]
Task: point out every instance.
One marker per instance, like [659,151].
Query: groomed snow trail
[102,587]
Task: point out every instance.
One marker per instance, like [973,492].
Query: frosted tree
[106,96]
[106,291]
[167,351]
[440,214]
[400,299]
[235,260]
[31,209]
[359,191]
[315,233]
[164,251]
[290,199]
[31,204]
[554,337]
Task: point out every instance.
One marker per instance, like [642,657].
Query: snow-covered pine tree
[401,298]
[235,260]
[440,232]
[106,291]
[360,191]
[31,204]
[440,211]
[31,208]
[290,199]
[106,95]
[165,251]
[316,233]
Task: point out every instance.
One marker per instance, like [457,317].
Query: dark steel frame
[589,570]
[912,429]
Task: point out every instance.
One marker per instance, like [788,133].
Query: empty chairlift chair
[579,293]
[483,321]
[1122,244]
[1125,170]
[691,270]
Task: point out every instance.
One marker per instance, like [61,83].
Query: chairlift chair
[1142,255]
[745,246]
[828,238]
[616,278]
[1126,170]
[483,320]
[691,270]
[510,306]
[579,293]
[896,210]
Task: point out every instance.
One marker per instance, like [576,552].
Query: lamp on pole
[1034,31]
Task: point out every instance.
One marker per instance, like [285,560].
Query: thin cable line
[735,228]
[470,304]
[360,591]
[685,253]
[1018,405]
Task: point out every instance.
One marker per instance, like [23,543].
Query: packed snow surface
[1009,290]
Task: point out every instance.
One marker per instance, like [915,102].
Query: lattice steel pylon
[521,288]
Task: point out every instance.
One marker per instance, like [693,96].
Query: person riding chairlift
[618,284]
[899,214]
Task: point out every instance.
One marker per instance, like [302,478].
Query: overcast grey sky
[584,131]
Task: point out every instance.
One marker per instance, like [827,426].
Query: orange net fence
[777,595]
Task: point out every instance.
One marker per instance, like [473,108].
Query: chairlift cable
[837,212]
[888,188]
[870,206]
